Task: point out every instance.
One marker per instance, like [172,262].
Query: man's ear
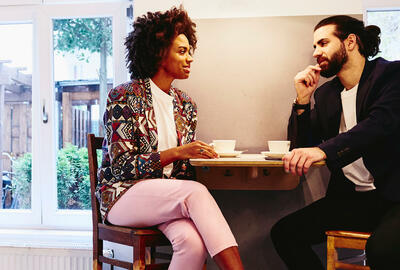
[351,42]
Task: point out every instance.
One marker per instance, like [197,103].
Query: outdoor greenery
[92,34]
[83,36]
[22,180]
[73,184]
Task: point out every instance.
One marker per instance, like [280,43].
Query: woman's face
[176,63]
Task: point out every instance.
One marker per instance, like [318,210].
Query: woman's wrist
[169,156]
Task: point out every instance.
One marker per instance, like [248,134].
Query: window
[388,21]
[83,76]
[16,115]
[52,92]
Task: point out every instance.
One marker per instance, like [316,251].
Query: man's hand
[306,82]
[299,160]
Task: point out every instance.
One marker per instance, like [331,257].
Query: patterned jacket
[130,145]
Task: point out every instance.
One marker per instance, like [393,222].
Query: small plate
[230,154]
[273,154]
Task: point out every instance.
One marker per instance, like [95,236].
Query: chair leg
[139,254]
[97,265]
[332,255]
[205,265]
[152,257]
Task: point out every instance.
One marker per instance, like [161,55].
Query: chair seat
[345,239]
[350,234]
[127,235]
[135,231]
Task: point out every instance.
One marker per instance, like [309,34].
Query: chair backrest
[94,143]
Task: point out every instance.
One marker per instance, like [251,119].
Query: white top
[355,171]
[164,114]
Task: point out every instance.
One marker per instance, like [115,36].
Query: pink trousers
[184,211]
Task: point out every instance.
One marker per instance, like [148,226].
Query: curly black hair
[151,38]
[368,38]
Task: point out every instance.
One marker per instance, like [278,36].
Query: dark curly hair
[368,38]
[151,38]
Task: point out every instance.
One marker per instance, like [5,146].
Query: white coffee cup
[279,146]
[224,146]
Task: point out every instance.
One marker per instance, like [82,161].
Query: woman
[150,137]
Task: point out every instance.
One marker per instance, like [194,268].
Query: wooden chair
[138,238]
[345,239]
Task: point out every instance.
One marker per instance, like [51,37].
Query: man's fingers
[286,161]
[307,165]
[300,165]
[310,79]
[315,67]
[293,163]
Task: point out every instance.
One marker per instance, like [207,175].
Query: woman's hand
[196,149]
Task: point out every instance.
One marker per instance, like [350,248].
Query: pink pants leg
[185,212]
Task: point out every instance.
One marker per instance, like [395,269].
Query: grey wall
[242,82]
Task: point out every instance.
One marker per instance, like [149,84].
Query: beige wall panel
[242,76]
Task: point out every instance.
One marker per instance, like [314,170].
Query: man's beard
[339,58]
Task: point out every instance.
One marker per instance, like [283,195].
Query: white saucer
[273,154]
[229,154]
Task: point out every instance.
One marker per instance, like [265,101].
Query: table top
[244,160]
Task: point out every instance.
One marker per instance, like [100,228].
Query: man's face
[329,51]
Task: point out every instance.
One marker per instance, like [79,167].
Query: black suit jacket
[375,138]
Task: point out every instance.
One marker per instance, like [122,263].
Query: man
[355,127]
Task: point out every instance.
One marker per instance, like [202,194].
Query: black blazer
[376,136]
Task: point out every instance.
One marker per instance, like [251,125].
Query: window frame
[44,212]
[19,2]
[18,217]
[390,8]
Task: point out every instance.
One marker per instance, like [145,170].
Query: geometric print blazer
[130,150]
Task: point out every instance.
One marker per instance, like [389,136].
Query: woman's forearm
[170,155]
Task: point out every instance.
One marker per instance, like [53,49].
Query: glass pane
[388,21]
[15,115]
[83,76]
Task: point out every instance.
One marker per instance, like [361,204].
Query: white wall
[381,4]
[254,8]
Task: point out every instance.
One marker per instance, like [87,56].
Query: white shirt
[164,114]
[355,171]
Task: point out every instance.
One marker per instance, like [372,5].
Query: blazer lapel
[334,108]
[364,88]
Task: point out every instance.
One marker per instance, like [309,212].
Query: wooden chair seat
[138,238]
[345,239]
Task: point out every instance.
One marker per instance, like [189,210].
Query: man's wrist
[302,101]
[299,105]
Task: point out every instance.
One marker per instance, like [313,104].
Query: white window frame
[31,216]
[19,2]
[44,212]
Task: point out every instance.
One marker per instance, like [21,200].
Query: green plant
[73,184]
[22,180]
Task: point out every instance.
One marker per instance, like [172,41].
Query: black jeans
[294,235]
